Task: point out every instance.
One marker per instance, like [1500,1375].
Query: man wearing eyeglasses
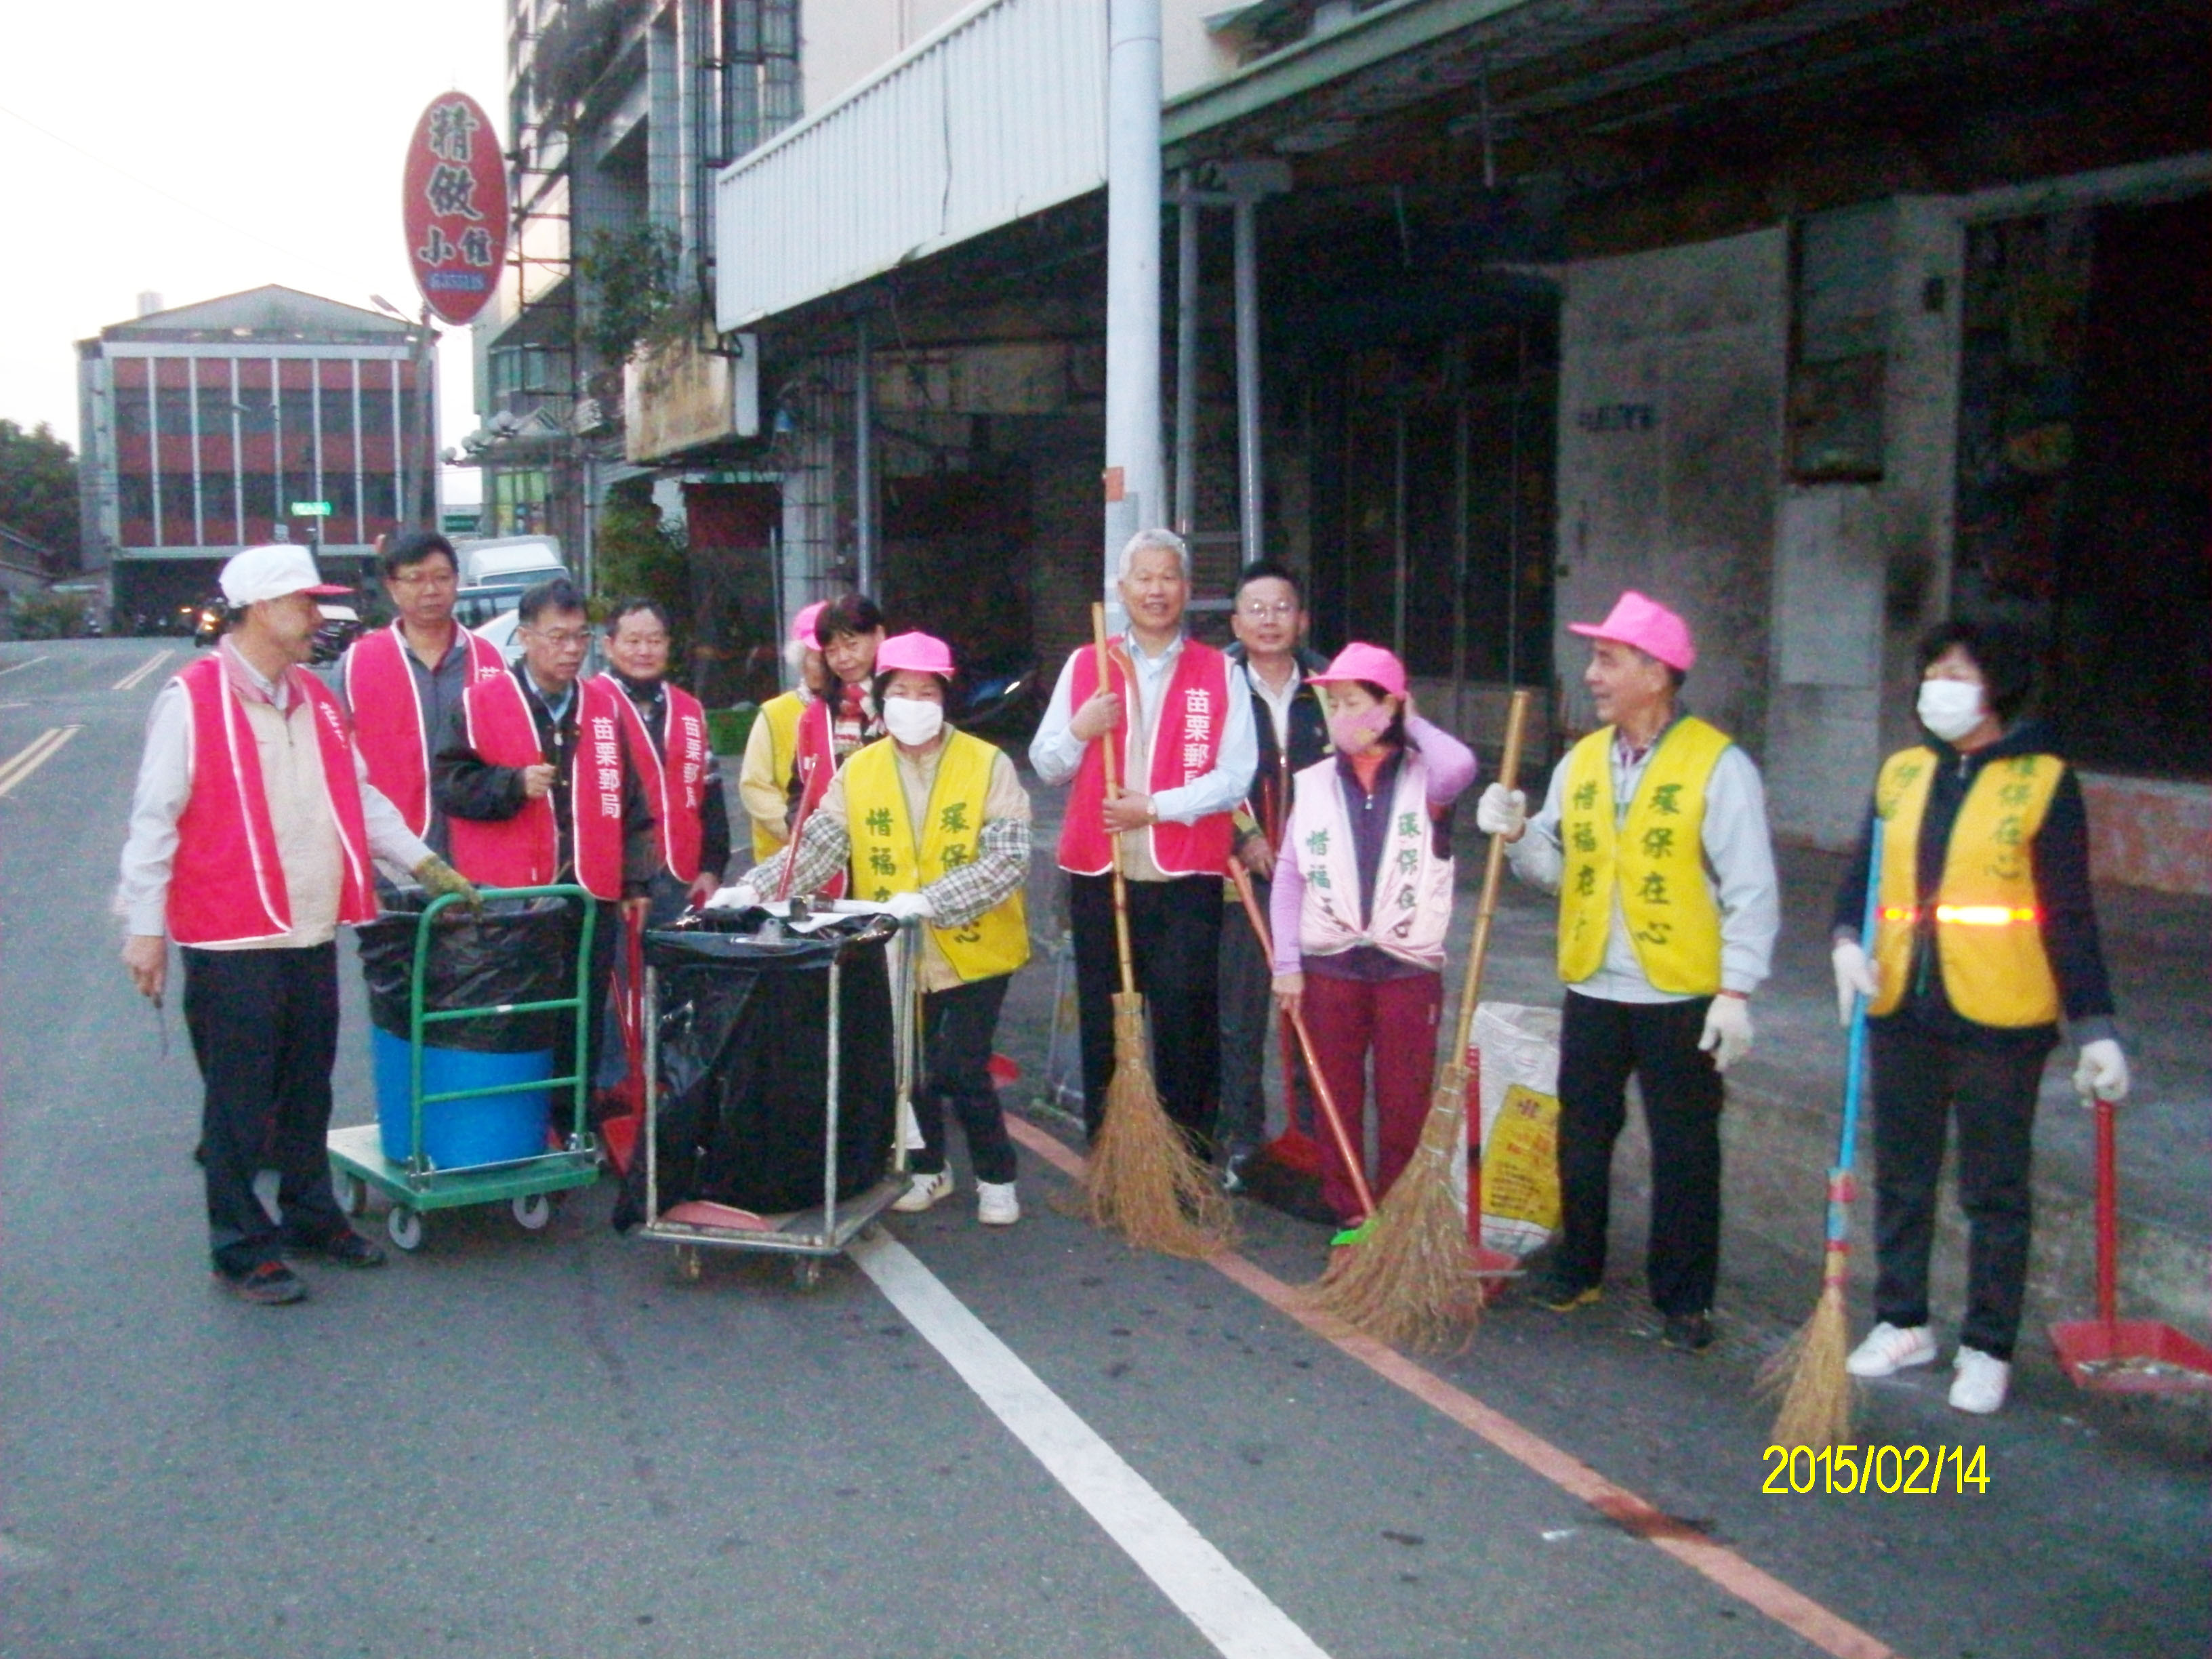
[1271,663]
[399,684]
[534,772]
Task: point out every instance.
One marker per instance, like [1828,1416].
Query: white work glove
[1502,811]
[736,896]
[907,907]
[1855,976]
[1728,1031]
[2103,1072]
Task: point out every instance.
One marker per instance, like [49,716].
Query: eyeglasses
[425,579]
[1282,610]
[562,638]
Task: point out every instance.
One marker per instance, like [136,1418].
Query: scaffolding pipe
[1251,508]
[1134,491]
[1186,430]
[864,460]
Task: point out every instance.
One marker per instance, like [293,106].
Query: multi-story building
[205,427]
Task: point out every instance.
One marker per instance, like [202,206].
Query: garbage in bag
[745,1053]
[518,950]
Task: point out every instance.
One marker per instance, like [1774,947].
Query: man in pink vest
[667,729]
[251,832]
[1185,752]
[400,683]
[535,773]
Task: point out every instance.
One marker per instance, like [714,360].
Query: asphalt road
[1022,1443]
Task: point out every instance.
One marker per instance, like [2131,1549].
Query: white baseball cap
[270,573]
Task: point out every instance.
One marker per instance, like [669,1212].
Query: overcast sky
[196,149]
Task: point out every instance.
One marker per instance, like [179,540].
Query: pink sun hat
[919,653]
[1371,663]
[802,625]
[1649,626]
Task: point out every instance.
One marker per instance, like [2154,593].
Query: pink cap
[1649,626]
[921,654]
[802,625]
[1371,663]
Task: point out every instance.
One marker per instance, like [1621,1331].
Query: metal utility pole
[1186,430]
[1134,485]
[864,458]
[1251,506]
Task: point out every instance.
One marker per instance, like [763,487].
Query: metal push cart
[807,1237]
[528,1185]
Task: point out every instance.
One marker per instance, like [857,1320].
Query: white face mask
[913,721]
[1950,708]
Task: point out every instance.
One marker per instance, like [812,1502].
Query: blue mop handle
[1840,1192]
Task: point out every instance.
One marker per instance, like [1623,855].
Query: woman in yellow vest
[1985,935]
[772,745]
[934,826]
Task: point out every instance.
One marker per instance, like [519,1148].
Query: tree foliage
[631,277]
[639,557]
[38,488]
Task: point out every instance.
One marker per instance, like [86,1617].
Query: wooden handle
[1113,840]
[1494,872]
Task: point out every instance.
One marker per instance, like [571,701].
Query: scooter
[1000,696]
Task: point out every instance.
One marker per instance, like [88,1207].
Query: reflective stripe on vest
[1988,932]
[1186,729]
[674,775]
[226,883]
[1413,890]
[524,851]
[387,714]
[887,859]
[1653,858]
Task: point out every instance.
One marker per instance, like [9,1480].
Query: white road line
[17,667]
[131,680]
[33,754]
[1228,1608]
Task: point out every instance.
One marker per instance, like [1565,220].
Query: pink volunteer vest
[675,775]
[1186,740]
[524,851]
[388,716]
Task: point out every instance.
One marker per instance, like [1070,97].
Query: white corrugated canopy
[998,114]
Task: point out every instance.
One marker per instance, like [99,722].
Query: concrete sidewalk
[1785,1100]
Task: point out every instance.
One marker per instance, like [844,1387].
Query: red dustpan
[618,1133]
[2123,1355]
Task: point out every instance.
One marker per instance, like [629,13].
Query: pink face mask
[1352,733]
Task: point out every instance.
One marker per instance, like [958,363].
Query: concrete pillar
[1133,483]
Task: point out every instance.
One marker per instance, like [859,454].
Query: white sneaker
[996,1204]
[1980,1384]
[1890,1348]
[922,1191]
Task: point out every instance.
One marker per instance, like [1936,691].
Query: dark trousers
[1601,1044]
[1920,1083]
[264,1028]
[956,1029]
[1175,936]
[606,942]
[1246,999]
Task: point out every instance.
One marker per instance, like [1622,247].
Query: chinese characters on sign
[455,206]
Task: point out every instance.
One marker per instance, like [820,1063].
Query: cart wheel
[687,1263]
[353,1193]
[806,1272]
[531,1211]
[404,1227]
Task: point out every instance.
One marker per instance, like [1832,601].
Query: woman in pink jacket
[1362,902]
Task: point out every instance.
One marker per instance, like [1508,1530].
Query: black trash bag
[519,950]
[742,1117]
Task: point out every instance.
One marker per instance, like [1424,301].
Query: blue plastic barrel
[458,1134]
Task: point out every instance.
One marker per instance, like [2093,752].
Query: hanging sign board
[455,207]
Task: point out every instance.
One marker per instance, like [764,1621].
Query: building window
[214,410]
[172,411]
[134,411]
[178,529]
[217,506]
[257,416]
[380,498]
[134,495]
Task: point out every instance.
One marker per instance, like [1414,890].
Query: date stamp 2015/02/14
[1921,1471]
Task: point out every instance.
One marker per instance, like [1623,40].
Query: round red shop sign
[455,206]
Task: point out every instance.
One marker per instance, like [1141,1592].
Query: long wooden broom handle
[1113,840]
[1297,1023]
[806,766]
[1494,872]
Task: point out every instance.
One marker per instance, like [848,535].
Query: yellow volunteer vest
[889,858]
[782,713]
[1656,858]
[1989,936]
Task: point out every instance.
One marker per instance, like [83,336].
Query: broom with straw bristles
[1143,1180]
[1297,1022]
[1408,1276]
[1817,1393]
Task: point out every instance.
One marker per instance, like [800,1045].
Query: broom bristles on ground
[1143,1180]
[1818,1394]
[1410,1280]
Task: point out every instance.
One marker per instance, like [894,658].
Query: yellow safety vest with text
[1653,858]
[1988,932]
[782,713]
[889,858]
